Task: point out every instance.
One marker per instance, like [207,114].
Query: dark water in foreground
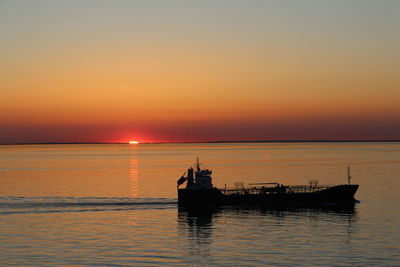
[116,205]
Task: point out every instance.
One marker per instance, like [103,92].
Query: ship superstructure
[198,178]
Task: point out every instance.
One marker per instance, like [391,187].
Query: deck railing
[293,189]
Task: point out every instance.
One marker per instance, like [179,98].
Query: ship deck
[281,189]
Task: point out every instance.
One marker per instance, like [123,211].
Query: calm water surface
[116,205]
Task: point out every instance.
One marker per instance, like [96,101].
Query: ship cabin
[197,178]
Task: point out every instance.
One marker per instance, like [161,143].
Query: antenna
[198,164]
[348,174]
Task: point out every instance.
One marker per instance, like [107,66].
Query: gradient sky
[79,71]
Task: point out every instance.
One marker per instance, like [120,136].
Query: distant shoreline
[209,142]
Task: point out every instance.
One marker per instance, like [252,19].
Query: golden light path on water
[133,171]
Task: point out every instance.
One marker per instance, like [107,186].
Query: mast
[198,164]
[348,174]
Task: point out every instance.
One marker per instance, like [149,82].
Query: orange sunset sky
[106,71]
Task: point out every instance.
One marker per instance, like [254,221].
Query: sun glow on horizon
[133,142]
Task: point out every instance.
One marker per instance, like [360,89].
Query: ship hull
[340,195]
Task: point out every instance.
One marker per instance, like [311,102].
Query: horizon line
[214,142]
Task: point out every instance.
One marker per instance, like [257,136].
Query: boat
[200,192]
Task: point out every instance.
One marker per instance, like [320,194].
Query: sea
[116,205]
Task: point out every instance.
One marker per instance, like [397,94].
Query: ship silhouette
[200,192]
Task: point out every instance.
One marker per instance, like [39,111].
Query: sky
[115,71]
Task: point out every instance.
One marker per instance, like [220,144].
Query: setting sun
[133,142]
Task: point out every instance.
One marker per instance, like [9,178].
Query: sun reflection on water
[133,173]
